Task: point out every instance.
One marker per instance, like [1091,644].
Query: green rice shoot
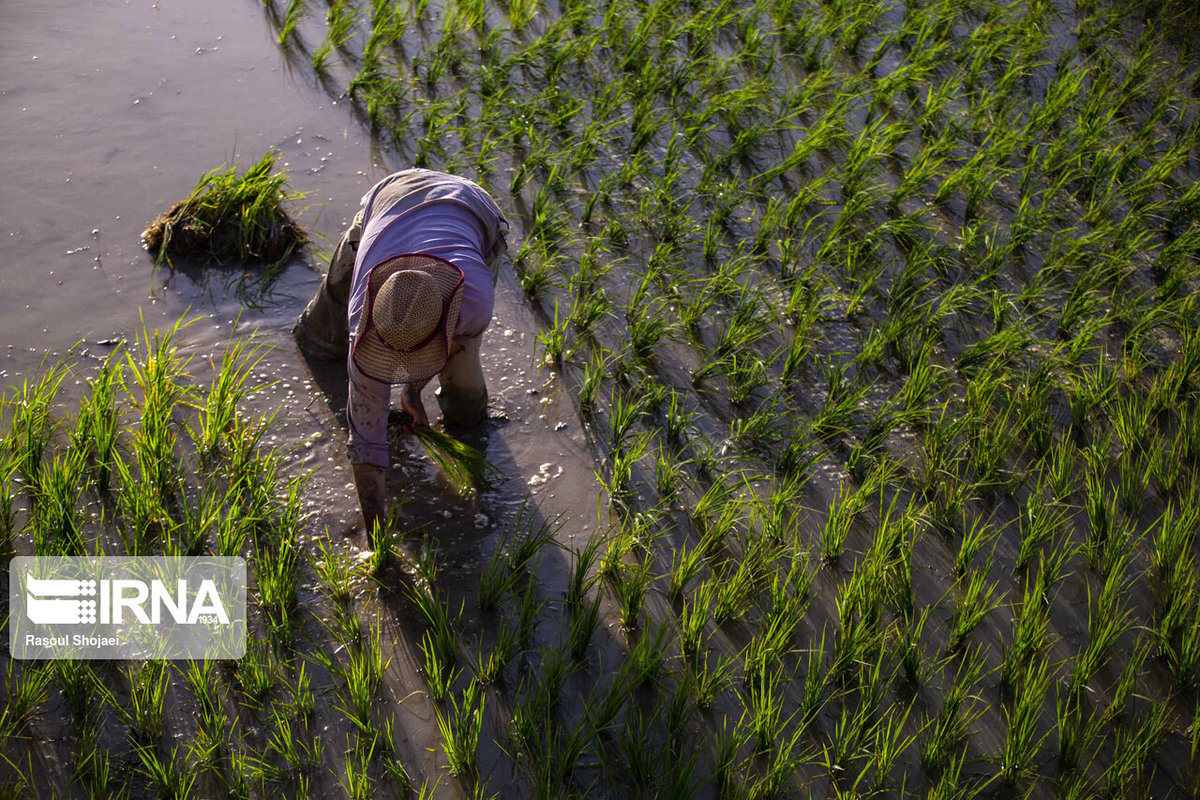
[464,466]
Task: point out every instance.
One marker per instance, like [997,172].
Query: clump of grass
[231,217]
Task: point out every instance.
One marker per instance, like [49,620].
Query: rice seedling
[1106,622]
[669,474]
[1022,739]
[296,752]
[764,709]
[76,686]
[169,777]
[977,537]
[889,743]
[463,465]
[630,585]
[57,523]
[1029,635]
[768,648]
[1040,522]
[1134,749]
[212,726]
[93,765]
[333,570]
[528,613]
[296,11]
[31,425]
[232,217]
[230,386]
[945,733]
[360,674]
[99,422]
[189,536]
[147,693]
[460,727]
[555,342]
[1177,626]
[646,657]
[358,784]
[548,756]
[257,672]
[495,580]
[837,525]
[8,511]
[621,465]
[686,564]
[1193,740]
[735,591]
[846,743]
[26,690]
[693,618]
[440,672]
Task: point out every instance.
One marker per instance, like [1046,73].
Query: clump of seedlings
[463,465]
[232,217]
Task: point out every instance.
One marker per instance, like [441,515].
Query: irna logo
[58,601]
[159,607]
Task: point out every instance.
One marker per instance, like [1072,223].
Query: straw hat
[411,312]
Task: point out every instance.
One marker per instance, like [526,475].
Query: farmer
[408,295]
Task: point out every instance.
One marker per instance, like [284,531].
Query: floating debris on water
[544,474]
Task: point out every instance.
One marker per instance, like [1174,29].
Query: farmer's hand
[410,401]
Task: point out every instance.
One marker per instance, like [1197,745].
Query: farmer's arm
[410,394]
[368,479]
[366,414]
[410,401]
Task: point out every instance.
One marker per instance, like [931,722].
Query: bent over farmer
[409,292]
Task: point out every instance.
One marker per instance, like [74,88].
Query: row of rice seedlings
[90,760]
[359,673]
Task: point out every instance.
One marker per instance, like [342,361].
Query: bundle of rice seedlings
[231,218]
[465,466]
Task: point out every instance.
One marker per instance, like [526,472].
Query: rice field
[883,324]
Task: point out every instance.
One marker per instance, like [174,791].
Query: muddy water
[110,112]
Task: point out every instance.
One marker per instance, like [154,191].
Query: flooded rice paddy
[844,380]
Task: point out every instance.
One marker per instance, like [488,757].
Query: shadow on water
[252,286]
